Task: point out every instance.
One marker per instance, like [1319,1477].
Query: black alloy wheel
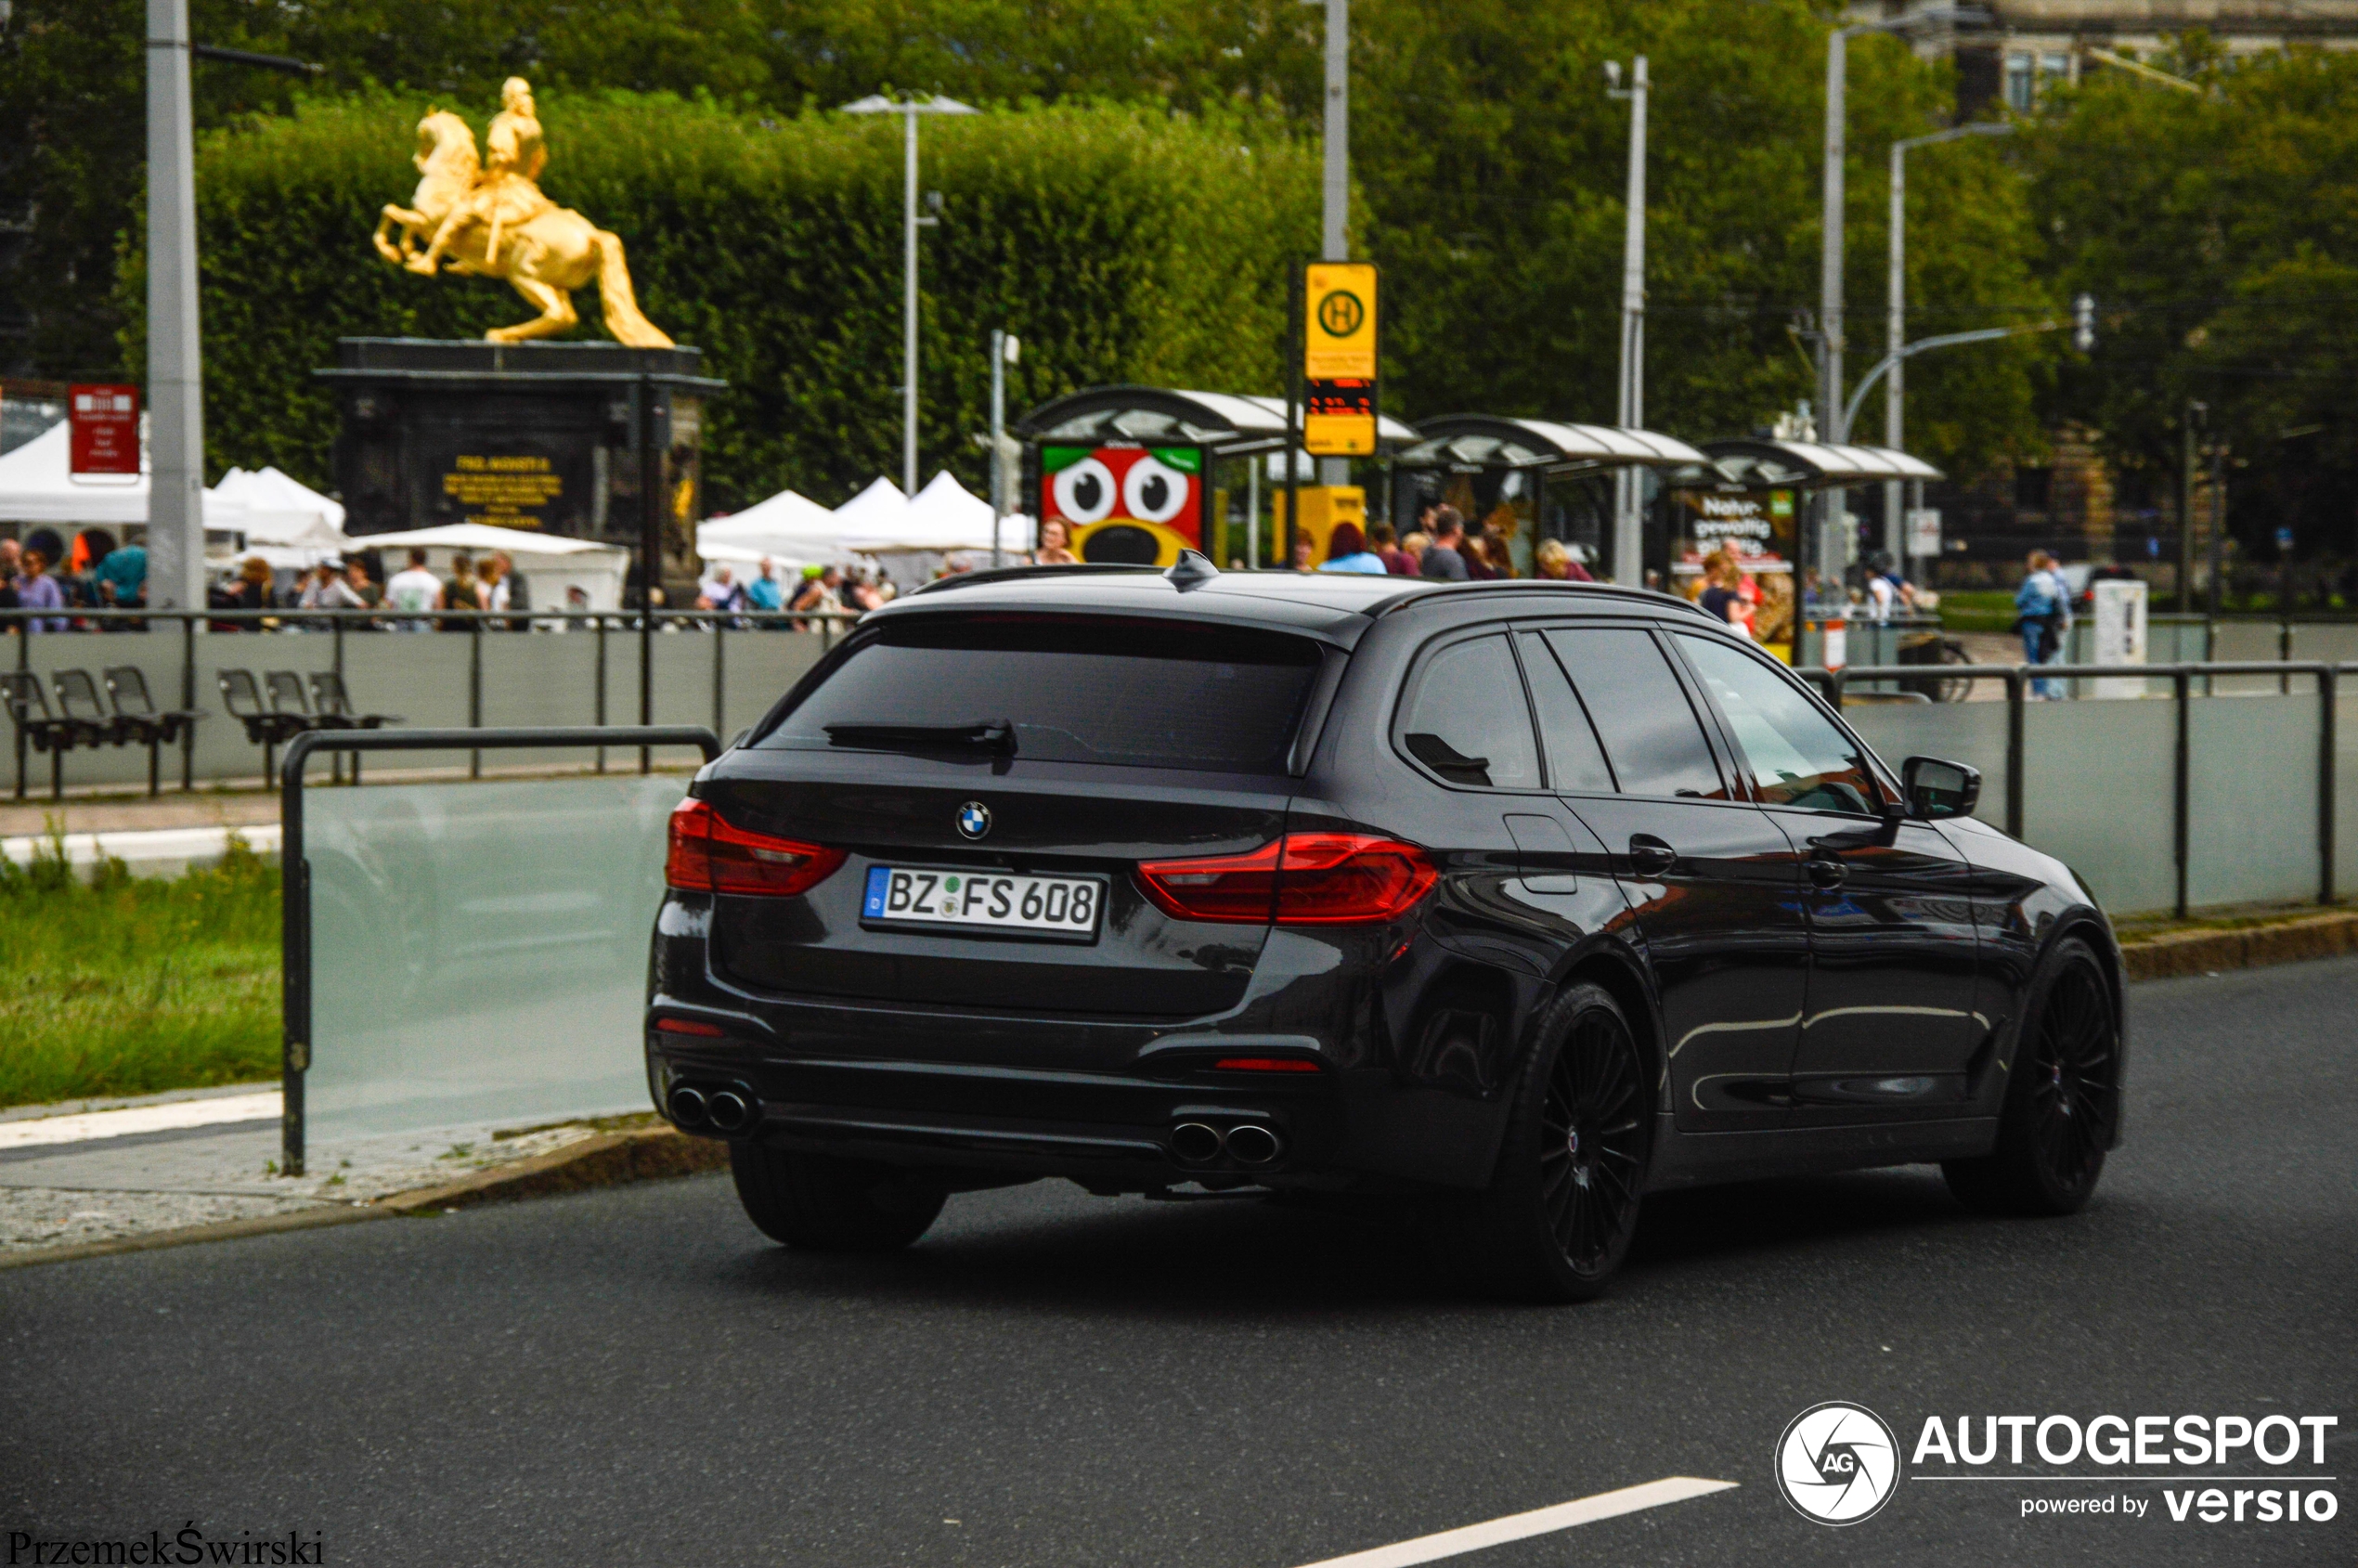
[1558,1219]
[2063,1099]
[1592,1141]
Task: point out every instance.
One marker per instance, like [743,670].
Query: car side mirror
[1938,789]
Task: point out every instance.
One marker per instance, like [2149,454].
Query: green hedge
[1121,244]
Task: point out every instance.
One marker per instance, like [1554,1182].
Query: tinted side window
[1650,729]
[1575,759]
[1793,753]
[1467,718]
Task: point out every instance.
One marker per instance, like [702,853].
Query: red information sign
[106,429]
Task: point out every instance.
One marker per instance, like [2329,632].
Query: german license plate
[997,900]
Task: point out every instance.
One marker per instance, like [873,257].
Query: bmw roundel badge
[974,819]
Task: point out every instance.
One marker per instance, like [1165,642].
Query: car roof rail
[1432,590]
[1018,574]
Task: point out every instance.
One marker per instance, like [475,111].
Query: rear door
[1715,885]
[966,763]
[1891,1026]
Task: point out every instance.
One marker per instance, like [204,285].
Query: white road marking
[1520,1527]
[167,1118]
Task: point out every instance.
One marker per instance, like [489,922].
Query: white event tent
[944,518]
[37,486]
[551,565]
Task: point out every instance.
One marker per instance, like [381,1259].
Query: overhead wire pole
[175,375]
[1629,407]
[1895,391]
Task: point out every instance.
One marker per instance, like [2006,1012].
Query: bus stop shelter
[1529,479]
[1752,499]
[1139,473]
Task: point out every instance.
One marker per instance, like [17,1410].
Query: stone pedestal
[545,437]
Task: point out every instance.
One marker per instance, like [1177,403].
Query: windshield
[1138,693]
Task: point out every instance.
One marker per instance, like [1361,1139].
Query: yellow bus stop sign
[1338,342]
[1338,360]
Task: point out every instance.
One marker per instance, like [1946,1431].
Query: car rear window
[1137,693]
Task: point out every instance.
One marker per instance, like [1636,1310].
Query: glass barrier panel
[479,951]
[2252,791]
[2099,792]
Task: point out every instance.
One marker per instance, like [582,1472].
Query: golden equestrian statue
[491,219]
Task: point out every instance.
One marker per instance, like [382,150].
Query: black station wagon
[1510,903]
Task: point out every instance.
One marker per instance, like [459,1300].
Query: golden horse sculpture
[497,223]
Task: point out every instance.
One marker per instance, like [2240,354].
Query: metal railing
[2182,677]
[341,625]
[294,869]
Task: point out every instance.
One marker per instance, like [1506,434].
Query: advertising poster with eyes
[1742,544]
[1134,505]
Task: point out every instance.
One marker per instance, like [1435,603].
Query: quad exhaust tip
[1195,1142]
[688,1106]
[728,1111]
[1200,1143]
[1252,1144]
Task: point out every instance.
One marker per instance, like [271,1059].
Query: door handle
[1826,874]
[1650,856]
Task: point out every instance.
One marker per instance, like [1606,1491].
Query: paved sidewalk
[72,1173]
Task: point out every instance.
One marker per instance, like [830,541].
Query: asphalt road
[634,1376]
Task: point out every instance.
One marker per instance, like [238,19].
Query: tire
[2063,1098]
[1557,1219]
[822,1204]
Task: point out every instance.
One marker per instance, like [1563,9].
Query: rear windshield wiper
[997,735]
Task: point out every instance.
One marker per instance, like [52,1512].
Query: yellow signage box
[1338,338]
[1323,506]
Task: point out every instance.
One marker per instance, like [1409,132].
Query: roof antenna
[1192,570]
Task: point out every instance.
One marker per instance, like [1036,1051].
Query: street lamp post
[909,109]
[1629,407]
[1830,305]
[1334,226]
[1895,532]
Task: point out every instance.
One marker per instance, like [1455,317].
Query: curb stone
[605,1160]
[2200,952]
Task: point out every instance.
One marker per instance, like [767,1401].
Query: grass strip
[133,986]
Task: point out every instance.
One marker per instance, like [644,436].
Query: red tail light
[1301,879]
[709,855]
[1265,1064]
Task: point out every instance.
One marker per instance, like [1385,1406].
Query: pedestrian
[822,594]
[1720,599]
[516,587]
[2043,610]
[1442,558]
[491,587]
[719,592]
[1385,542]
[1553,561]
[11,563]
[253,590]
[764,596]
[1347,551]
[461,592]
[1888,591]
[356,574]
[38,590]
[414,591]
[1055,548]
[1485,553]
[121,578]
[1305,555]
[327,589]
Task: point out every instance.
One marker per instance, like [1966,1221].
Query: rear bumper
[1105,1130]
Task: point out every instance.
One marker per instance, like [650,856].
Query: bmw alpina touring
[1508,902]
